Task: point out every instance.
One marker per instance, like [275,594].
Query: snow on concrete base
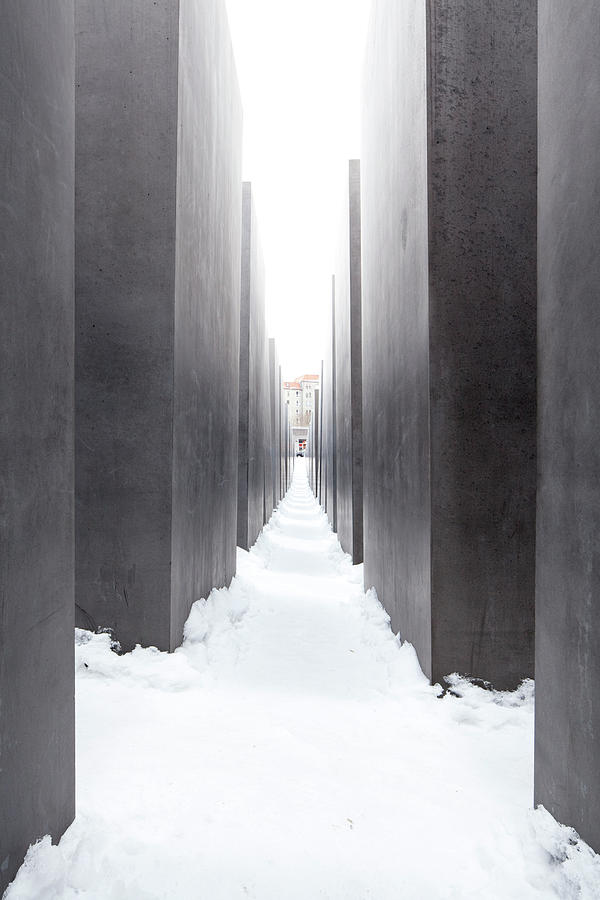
[292,748]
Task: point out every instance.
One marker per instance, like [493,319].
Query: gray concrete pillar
[567,661]
[449,330]
[158,180]
[329,417]
[254,413]
[348,374]
[286,447]
[316,442]
[322,448]
[275,401]
[37,739]
[280,424]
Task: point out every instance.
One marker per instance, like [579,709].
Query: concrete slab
[330,418]
[275,403]
[567,777]
[158,178]
[348,374]
[449,330]
[37,728]
[254,457]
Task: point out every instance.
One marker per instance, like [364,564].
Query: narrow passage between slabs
[291,748]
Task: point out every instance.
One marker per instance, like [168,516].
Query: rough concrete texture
[37,738]
[348,373]
[395,321]
[254,454]
[449,211]
[482,301]
[158,209]
[567,777]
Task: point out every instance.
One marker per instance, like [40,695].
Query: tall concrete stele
[286,444]
[254,453]
[158,225]
[449,330]
[321,448]
[567,662]
[275,402]
[314,443]
[329,420]
[37,716]
[348,374]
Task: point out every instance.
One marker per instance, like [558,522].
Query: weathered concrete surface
[449,177]
[397,526]
[254,456]
[37,739]
[567,776]
[348,374]
[482,303]
[157,313]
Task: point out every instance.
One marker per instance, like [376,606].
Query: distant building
[292,395]
[308,383]
[300,397]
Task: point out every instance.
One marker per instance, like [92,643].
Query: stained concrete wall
[158,207]
[37,740]
[449,261]
[567,777]
[348,373]
[254,456]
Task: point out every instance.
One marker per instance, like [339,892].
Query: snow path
[292,750]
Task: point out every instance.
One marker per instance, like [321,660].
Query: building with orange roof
[300,398]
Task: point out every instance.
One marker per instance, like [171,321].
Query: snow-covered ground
[291,749]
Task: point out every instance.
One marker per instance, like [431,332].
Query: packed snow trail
[293,750]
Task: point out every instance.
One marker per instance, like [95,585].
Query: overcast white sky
[299,67]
